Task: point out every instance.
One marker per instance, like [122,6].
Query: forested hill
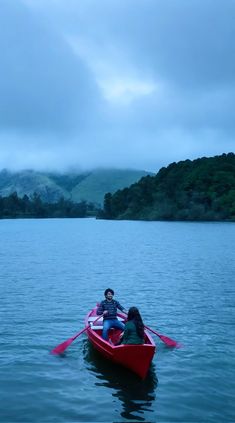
[51,187]
[202,189]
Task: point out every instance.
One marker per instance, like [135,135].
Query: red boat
[135,357]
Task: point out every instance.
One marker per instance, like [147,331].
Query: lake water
[180,275]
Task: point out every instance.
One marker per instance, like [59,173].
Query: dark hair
[134,315]
[108,290]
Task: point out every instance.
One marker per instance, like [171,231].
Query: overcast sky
[115,83]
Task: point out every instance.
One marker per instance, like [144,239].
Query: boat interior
[114,334]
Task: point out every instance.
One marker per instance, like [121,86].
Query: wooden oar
[62,347]
[168,341]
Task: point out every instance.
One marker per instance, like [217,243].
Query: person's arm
[100,309]
[125,334]
[120,307]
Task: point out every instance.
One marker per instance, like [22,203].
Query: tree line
[14,206]
[198,190]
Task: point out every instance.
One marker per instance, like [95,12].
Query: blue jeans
[111,323]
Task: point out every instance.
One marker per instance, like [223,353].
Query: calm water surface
[180,275]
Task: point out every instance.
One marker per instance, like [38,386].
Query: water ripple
[180,275]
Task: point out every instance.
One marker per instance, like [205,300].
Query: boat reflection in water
[136,395]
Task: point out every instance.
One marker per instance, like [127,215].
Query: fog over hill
[88,186]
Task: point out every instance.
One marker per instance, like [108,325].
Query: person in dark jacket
[108,308]
[134,328]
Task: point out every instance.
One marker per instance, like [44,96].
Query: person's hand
[105,312]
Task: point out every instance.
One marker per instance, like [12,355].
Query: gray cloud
[129,83]
[43,86]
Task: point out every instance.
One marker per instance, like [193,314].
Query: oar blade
[60,349]
[169,342]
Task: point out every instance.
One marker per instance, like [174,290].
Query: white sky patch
[118,82]
[125,90]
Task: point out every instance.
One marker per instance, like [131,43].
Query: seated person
[134,328]
[108,308]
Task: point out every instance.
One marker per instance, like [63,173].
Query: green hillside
[202,189]
[87,186]
[94,187]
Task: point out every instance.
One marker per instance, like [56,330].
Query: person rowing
[108,308]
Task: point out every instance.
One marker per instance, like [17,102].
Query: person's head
[134,315]
[109,293]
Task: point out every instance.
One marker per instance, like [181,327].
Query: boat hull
[137,358]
